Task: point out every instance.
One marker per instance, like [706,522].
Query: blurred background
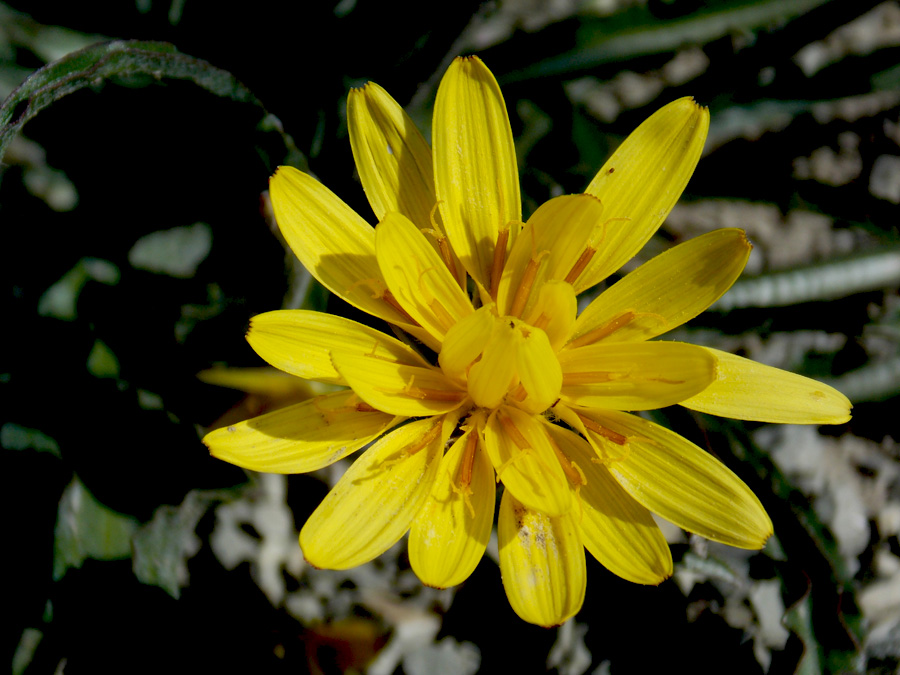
[137,243]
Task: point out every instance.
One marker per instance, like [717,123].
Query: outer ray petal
[641,182]
[680,482]
[541,562]
[475,173]
[747,390]
[373,504]
[556,235]
[666,291]
[640,376]
[417,277]
[301,342]
[399,389]
[392,158]
[331,240]
[448,537]
[620,533]
[532,474]
[302,437]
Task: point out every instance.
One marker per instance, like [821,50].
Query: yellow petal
[554,312]
[639,376]
[264,380]
[620,533]
[373,504]
[641,182]
[666,291]
[549,246]
[331,240]
[399,389]
[680,482]
[448,537]
[526,462]
[491,378]
[539,371]
[301,342]
[395,166]
[541,562]
[465,342]
[302,437]
[475,173]
[392,157]
[747,390]
[417,277]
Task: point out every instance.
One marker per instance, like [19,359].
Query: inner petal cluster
[502,360]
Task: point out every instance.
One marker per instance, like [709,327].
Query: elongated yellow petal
[541,562]
[666,291]
[331,240]
[539,371]
[399,389]
[417,277]
[525,461]
[640,376]
[392,157]
[262,380]
[747,390]
[678,481]
[373,504]
[548,248]
[395,166]
[475,173]
[301,342]
[641,182]
[620,533]
[302,437]
[448,537]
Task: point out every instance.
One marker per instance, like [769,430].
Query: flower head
[523,390]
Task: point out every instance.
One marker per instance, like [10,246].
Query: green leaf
[60,300]
[93,65]
[176,252]
[637,32]
[14,437]
[163,546]
[85,529]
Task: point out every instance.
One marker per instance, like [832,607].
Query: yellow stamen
[443,244]
[465,473]
[603,331]
[412,449]
[580,264]
[499,259]
[389,298]
[589,252]
[520,441]
[571,469]
[590,377]
[542,321]
[375,285]
[527,282]
[608,434]
[429,436]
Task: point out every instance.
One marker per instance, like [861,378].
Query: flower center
[502,360]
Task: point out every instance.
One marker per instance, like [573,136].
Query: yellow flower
[503,381]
